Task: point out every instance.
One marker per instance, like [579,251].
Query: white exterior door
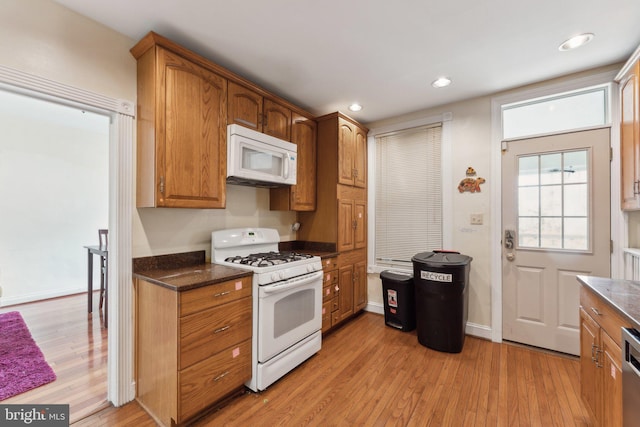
[556,225]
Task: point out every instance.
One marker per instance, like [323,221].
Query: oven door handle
[296,282]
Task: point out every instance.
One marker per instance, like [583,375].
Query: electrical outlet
[476,219]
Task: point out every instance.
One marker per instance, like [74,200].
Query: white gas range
[287,300]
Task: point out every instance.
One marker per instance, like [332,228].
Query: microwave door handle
[286,165]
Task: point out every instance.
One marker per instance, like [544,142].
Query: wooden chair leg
[102,281]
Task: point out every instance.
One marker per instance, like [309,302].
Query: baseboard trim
[38,296]
[474,329]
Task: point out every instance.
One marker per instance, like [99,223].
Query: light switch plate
[476,219]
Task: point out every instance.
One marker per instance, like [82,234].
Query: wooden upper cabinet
[352,154]
[302,196]
[360,159]
[346,151]
[277,120]
[185,103]
[630,138]
[244,107]
[182,149]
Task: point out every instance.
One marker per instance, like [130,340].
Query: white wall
[166,230]
[471,139]
[54,196]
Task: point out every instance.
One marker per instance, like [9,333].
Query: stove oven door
[288,312]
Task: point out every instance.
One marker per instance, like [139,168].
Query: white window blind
[408,194]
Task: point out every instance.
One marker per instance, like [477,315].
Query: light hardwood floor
[365,374]
[368,374]
[74,343]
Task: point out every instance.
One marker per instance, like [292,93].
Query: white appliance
[287,300]
[259,160]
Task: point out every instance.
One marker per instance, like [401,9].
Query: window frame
[446,168]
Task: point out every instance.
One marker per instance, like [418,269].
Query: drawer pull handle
[221,376]
[224,328]
[593,352]
[221,294]
[595,310]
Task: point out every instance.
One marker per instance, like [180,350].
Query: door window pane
[528,171]
[529,232]
[529,204]
[575,233]
[553,201]
[551,168]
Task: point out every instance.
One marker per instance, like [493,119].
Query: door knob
[511,256]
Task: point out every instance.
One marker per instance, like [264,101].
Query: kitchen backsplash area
[158,231]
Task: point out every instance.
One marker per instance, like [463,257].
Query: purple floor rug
[22,364]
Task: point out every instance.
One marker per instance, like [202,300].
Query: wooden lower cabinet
[330,291]
[600,359]
[193,348]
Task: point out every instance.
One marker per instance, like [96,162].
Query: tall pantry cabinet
[340,217]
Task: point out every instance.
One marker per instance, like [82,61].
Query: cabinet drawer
[208,381]
[330,264]
[326,315]
[330,291]
[213,295]
[209,331]
[330,277]
[603,314]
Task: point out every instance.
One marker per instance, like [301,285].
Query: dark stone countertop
[621,295]
[189,270]
[191,277]
[184,271]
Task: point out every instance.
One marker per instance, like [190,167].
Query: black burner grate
[267,259]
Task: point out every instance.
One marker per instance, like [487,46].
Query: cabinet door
[303,194]
[191,135]
[346,225]
[360,221]
[277,120]
[611,381]
[589,372]
[346,292]
[360,285]
[360,159]
[630,139]
[244,107]
[346,142]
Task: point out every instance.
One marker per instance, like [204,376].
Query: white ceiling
[325,54]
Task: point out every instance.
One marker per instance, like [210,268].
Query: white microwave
[259,160]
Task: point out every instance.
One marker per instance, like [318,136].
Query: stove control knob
[274,277]
[282,275]
[310,268]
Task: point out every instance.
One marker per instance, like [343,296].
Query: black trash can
[399,304]
[441,281]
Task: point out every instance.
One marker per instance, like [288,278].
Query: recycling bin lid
[441,258]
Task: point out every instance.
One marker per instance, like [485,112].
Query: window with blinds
[408,205]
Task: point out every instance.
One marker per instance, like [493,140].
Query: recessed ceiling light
[576,41]
[441,82]
[355,107]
